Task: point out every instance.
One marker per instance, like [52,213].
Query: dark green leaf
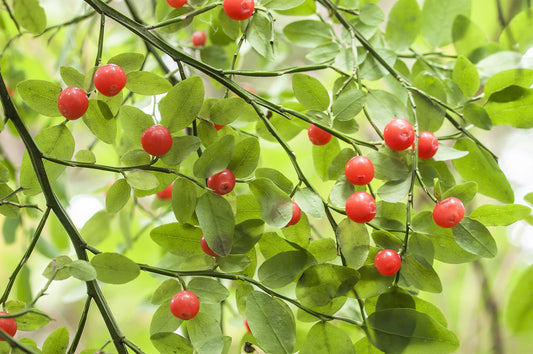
[277,177]
[57,342]
[514,77]
[321,283]
[117,196]
[235,263]
[100,124]
[141,179]
[164,321]
[323,156]
[208,290]
[272,323]
[472,236]
[30,321]
[245,157]
[182,147]
[465,192]
[477,115]
[183,199]
[282,269]
[215,158]
[128,61]
[276,206]
[353,241]
[217,222]
[72,77]
[425,279]
[260,35]
[348,105]
[384,106]
[247,233]
[310,203]
[205,334]
[168,342]
[165,291]
[308,33]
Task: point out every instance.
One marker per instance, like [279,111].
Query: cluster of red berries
[73,102]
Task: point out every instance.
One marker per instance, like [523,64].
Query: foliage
[343,66]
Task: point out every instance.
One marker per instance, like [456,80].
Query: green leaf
[465,76]
[86,156]
[208,290]
[72,77]
[128,61]
[147,83]
[117,196]
[480,167]
[282,269]
[97,228]
[217,222]
[260,34]
[134,122]
[514,77]
[40,95]
[348,105]
[516,36]
[215,158]
[384,106]
[308,33]
[164,320]
[168,342]
[182,147]
[321,283]
[57,268]
[234,263]
[323,53]
[281,4]
[276,206]
[403,24]
[477,115]
[205,334]
[165,291]
[323,156]
[421,276]
[394,191]
[30,15]
[388,166]
[227,110]
[371,15]
[341,191]
[354,242]
[445,153]
[519,306]
[114,268]
[216,56]
[272,323]
[438,17]
[511,106]
[183,199]
[363,346]
[56,141]
[57,342]
[245,157]
[325,338]
[30,321]
[446,248]
[143,180]
[408,331]
[248,232]
[323,249]
[11,211]
[310,92]
[467,36]
[182,240]
[275,176]
[181,104]
[472,236]
[465,192]
[97,119]
[82,270]
[310,203]
[500,215]
[430,115]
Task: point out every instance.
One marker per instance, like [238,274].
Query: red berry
[359,170]
[296,214]
[387,262]
[218,126]
[448,212]
[318,136]
[222,183]
[109,79]
[239,9]
[9,325]
[399,134]
[198,38]
[156,140]
[361,207]
[428,144]
[72,103]
[206,249]
[185,305]
[166,193]
[247,326]
[176,3]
